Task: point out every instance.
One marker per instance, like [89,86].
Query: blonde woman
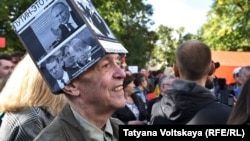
[27,102]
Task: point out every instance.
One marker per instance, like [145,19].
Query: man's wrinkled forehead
[107,56]
[110,56]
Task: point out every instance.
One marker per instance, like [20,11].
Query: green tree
[129,21]
[169,39]
[228,25]
[9,11]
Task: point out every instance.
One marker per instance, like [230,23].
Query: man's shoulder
[116,121]
[213,113]
[53,131]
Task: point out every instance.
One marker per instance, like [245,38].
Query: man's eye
[119,63]
[105,65]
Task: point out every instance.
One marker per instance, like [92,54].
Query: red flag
[2,42]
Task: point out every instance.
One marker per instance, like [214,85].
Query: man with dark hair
[53,66]
[6,65]
[16,56]
[189,102]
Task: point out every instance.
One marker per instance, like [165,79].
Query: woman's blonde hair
[26,88]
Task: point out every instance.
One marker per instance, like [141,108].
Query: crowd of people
[92,106]
[190,95]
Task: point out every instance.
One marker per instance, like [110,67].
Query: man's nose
[119,72]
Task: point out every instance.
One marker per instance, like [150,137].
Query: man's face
[102,85]
[130,88]
[166,85]
[245,76]
[55,70]
[69,56]
[61,13]
[6,67]
[59,55]
[82,53]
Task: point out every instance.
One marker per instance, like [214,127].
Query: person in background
[150,90]
[243,74]
[240,112]
[141,86]
[27,103]
[91,98]
[165,83]
[236,86]
[16,57]
[144,72]
[158,75]
[189,102]
[134,113]
[6,65]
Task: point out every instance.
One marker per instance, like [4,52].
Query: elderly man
[92,98]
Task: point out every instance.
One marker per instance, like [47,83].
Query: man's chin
[121,103]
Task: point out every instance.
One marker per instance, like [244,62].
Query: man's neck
[92,115]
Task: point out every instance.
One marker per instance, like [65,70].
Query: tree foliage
[228,25]
[169,40]
[9,11]
[128,19]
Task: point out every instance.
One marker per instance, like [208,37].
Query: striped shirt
[24,125]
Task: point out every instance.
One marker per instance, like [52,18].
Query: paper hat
[64,38]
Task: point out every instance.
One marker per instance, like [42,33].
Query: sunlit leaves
[228,25]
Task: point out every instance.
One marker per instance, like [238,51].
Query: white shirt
[65,79]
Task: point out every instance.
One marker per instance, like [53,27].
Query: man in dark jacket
[189,102]
[67,21]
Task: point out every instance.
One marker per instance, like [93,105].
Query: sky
[190,14]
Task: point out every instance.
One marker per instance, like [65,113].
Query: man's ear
[212,69]
[71,89]
[176,71]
